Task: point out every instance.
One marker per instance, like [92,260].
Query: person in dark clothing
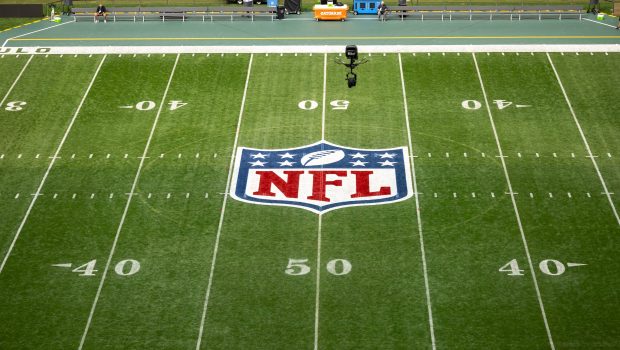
[594,6]
[101,11]
[382,11]
[66,7]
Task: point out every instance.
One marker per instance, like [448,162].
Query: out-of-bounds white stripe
[205,307]
[34,31]
[417,208]
[60,50]
[49,167]
[601,23]
[127,204]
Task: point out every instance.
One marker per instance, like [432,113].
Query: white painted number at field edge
[298,267]
[126,267]
[549,267]
[309,105]
[15,106]
[501,104]
[150,105]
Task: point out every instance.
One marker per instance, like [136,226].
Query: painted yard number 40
[126,267]
[549,267]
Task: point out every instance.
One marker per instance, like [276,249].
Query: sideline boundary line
[600,23]
[321,38]
[130,197]
[585,141]
[35,31]
[514,205]
[15,83]
[49,167]
[417,208]
[223,210]
[234,49]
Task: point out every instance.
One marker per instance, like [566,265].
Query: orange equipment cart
[330,12]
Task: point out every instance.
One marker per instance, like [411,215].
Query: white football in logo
[322,157]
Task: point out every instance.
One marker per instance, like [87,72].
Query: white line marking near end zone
[35,31]
[585,142]
[223,210]
[16,80]
[514,205]
[129,199]
[49,168]
[417,206]
[603,24]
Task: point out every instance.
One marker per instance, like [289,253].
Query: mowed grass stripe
[77,230]
[586,143]
[560,229]
[253,303]
[512,195]
[469,226]
[32,125]
[592,96]
[381,241]
[172,237]
[129,199]
[10,68]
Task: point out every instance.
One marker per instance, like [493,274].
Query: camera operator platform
[328,11]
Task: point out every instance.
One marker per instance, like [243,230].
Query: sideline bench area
[492,12]
[137,14]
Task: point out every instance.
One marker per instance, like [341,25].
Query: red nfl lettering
[289,187]
[321,176]
[362,185]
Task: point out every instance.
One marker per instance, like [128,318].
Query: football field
[119,228]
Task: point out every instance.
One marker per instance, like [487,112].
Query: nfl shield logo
[321,177]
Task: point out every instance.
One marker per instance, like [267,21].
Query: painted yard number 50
[309,105]
[298,267]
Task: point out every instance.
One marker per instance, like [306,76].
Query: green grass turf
[171,228]
[8,23]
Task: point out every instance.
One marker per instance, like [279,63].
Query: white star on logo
[358,163]
[286,163]
[387,163]
[387,155]
[258,163]
[358,155]
[258,155]
[286,155]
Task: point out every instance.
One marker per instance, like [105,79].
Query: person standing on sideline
[382,10]
[593,6]
[101,11]
[66,7]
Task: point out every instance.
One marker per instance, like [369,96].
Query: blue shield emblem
[321,177]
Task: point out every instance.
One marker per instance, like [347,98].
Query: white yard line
[223,210]
[417,208]
[318,285]
[514,205]
[35,31]
[49,168]
[585,142]
[130,197]
[16,80]
[597,22]
[324,97]
[318,250]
